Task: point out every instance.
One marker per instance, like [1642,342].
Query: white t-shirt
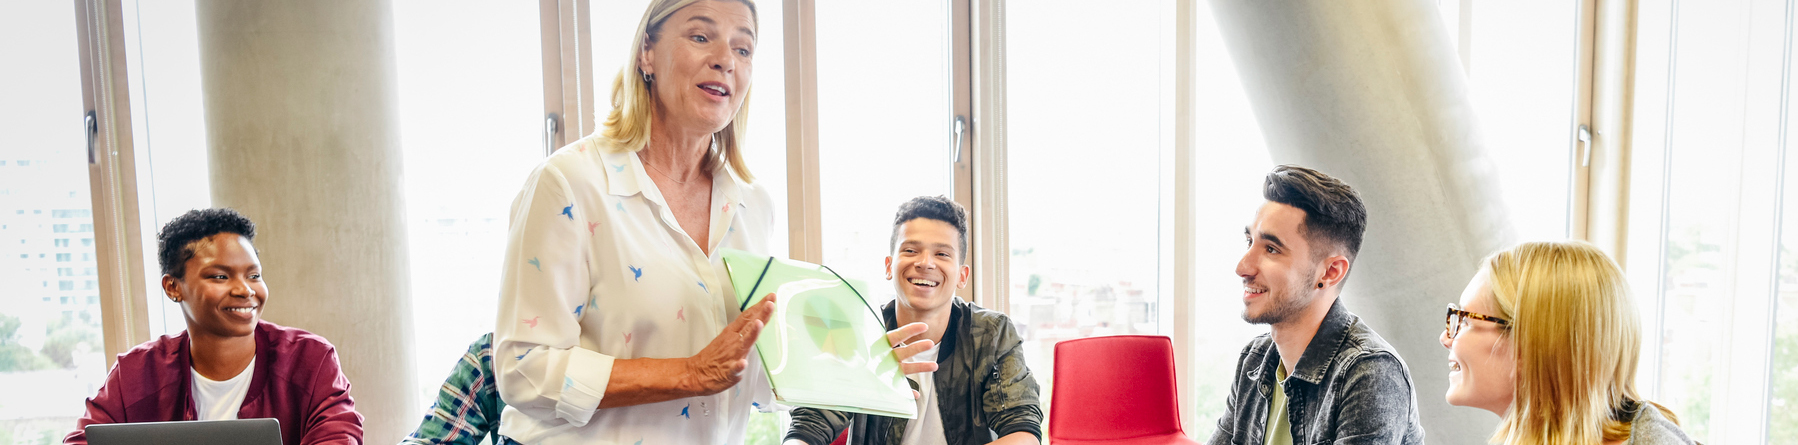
[221,400]
[927,429]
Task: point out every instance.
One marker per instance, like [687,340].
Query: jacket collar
[259,375]
[1332,334]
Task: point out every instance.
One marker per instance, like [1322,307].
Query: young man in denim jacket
[1321,375]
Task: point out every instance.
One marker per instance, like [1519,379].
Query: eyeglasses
[1458,316]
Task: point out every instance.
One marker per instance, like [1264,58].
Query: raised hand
[720,365]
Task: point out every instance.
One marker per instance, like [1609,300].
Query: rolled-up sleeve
[541,368]
[816,426]
[1011,398]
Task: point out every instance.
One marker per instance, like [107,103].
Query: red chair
[1116,390]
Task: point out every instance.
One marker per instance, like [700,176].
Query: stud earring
[647,77]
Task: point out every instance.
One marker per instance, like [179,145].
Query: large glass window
[168,133]
[467,151]
[1089,187]
[883,125]
[51,356]
[1519,61]
[1708,250]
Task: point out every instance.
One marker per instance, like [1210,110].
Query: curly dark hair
[1334,214]
[933,207]
[175,244]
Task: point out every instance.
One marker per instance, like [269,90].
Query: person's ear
[966,272]
[1335,269]
[889,263]
[644,56]
[171,286]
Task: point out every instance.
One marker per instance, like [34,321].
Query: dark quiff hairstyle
[933,207]
[175,245]
[1333,211]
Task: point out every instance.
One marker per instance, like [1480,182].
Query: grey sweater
[1651,428]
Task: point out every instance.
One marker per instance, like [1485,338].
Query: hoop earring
[647,77]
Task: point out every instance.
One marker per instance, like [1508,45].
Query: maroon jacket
[297,381]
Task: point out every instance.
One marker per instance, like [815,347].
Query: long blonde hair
[627,127]
[1576,337]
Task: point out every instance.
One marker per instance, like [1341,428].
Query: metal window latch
[960,127]
[551,125]
[1585,141]
[92,126]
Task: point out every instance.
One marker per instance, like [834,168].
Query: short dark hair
[175,243]
[1333,211]
[933,207]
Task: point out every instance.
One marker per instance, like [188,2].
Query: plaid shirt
[467,408]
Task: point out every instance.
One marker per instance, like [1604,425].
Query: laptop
[192,432]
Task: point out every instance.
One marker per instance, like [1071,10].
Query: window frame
[112,176]
[1599,209]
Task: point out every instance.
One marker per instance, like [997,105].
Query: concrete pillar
[1372,92]
[303,131]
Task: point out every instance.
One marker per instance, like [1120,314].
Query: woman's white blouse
[598,269]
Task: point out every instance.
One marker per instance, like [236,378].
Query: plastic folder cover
[824,347]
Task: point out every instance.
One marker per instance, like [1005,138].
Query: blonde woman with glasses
[1546,336]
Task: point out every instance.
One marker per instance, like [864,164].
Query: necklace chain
[665,174]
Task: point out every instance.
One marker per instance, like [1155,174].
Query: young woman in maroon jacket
[228,364]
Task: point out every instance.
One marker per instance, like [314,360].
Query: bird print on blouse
[681,314]
[620,206]
[590,227]
[627,338]
[636,273]
[532,322]
[577,310]
[567,383]
[683,412]
[569,211]
[535,263]
[617,168]
[702,286]
[520,357]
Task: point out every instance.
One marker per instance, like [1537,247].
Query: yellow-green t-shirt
[1279,428]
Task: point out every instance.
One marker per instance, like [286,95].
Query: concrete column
[1372,92]
[302,127]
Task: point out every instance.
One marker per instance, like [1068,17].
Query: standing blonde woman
[1546,337]
[617,323]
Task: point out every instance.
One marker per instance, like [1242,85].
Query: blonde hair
[627,127]
[1576,338]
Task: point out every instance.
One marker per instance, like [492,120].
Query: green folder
[824,347]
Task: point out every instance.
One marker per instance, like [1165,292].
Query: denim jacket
[1349,388]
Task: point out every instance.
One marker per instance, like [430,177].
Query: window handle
[92,127]
[1585,141]
[960,127]
[550,127]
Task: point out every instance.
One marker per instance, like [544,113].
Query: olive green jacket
[983,389]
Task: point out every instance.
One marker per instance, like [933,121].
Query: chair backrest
[1114,387]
